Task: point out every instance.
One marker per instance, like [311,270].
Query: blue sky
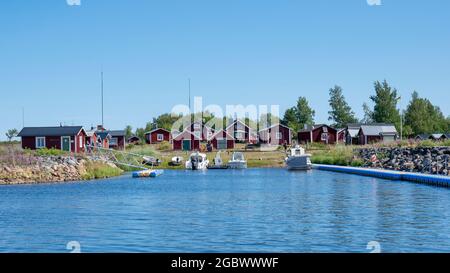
[235,52]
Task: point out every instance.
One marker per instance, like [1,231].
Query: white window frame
[160,137]
[240,135]
[279,135]
[80,140]
[324,137]
[37,143]
[114,141]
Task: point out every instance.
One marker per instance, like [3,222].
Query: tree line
[420,116]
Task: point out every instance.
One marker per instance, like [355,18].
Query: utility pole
[23,117]
[102,99]
[189,83]
[401,119]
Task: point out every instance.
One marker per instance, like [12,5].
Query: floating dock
[435,180]
[147,173]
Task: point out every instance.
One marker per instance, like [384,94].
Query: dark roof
[157,129]
[133,137]
[50,131]
[103,134]
[309,128]
[116,133]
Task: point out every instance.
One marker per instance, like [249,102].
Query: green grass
[338,155]
[97,170]
[50,152]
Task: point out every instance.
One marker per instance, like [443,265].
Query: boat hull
[299,163]
[237,165]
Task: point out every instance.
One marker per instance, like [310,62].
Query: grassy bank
[98,170]
[336,155]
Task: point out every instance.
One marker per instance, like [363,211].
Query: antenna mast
[102,99]
[189,93]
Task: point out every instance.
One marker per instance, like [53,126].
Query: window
[160,137]
[197,126]
[197,134]
[40,142]
[324,137]
[113,141]
[239,135]
[279,135]
[80,140]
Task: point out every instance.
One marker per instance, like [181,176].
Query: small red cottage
[103,139]
[91,138]
[341,135]
[186,141]
[158,135]
[222,140]
[201,131]
[321,133]
[66,138]
[242,132]
[277,134]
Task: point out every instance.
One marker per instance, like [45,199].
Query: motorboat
[297,159]
[197,161]
[151,161]
[147,173]
[176,161]
[237,161]
[218,163]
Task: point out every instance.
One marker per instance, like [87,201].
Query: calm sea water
[257,210]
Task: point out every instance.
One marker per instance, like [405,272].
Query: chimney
[100,128]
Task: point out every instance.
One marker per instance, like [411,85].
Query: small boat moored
[237,161]
[298,160]
[197,161]
[218,163]
[147,173]
[176,161]
[151,161]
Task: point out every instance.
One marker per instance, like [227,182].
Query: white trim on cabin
[37,146]
[70,143]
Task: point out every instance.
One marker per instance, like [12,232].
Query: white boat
[197,161]
[176,161]
[237,161]
[218,163]
[298,160]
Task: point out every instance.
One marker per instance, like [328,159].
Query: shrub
[49,152]
[96,170]
[164,146]
[427,143]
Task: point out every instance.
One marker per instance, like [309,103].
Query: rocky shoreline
[51,169]
[433,160]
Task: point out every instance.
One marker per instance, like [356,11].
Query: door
[65,144]
[186,145]
[221,144]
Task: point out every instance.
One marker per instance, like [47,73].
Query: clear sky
[235,52]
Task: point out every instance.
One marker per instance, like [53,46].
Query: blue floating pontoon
[147,173]
[435,180]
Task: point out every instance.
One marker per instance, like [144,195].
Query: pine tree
[290,119]
[385,100]
[341,113]
[305,114]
